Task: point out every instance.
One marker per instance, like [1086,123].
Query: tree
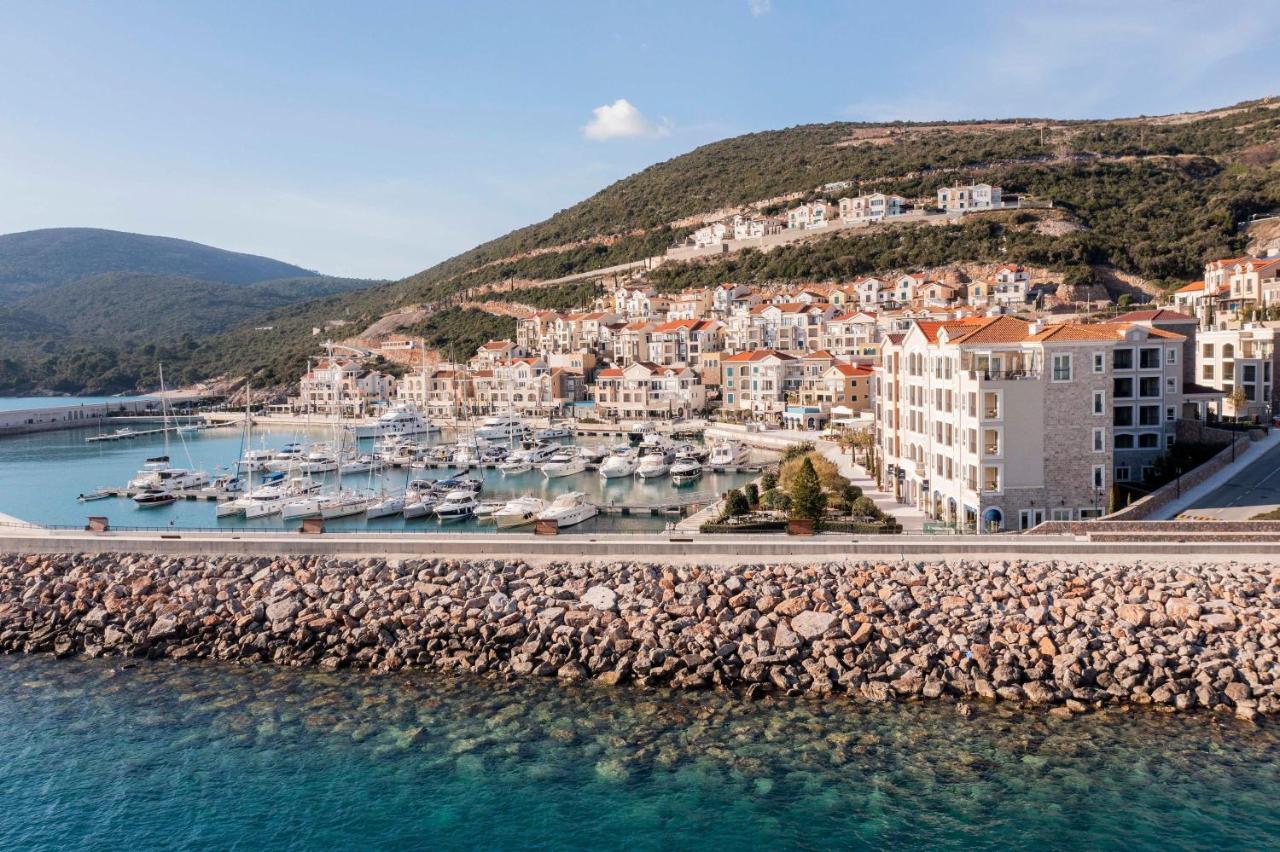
[1239,401]
[769,481]
[807,497]
[865,507]
[735,504]
[752,492]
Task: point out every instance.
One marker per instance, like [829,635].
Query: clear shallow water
[17,403]
[206,756]
[41,474]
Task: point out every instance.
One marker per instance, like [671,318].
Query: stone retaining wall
[1170,491]
[1069,636]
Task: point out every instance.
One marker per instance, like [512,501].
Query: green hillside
[1150,196]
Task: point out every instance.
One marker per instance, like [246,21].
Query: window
[1171,355]
[1062,368]
[1149,386]
[1206,372]
[1060,514]
[1148,415]
[1099,476]
[1099,366]
[1123,359]
[1170,385]
[1099,402]
[1122,474]
[991,405]
[1122,415]
[991,479]
[1122,388]
[1099,440]
[1206,351]
[1170,414]
[1149,358]
[1124,442]
[1149,440]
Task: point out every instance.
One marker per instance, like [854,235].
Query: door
[1031,518]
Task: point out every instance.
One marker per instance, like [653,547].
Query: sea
[42,474]
[161,755]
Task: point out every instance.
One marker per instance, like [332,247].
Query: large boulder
[811,625]
[600,597]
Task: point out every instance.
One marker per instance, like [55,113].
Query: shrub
[769,481]
[776,500]
[807,498]
[842,506]
[865,507]
[752,492]
[850,493]
[828,474]
[796,451]
[735,504]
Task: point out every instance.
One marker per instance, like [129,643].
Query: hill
[33,260]
[85,310]
[1150,197]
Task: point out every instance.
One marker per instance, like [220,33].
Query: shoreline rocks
[1064,636]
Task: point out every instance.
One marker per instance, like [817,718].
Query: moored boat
[518,512]
[569,509]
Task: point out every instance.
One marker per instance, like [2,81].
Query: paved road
[1252,491]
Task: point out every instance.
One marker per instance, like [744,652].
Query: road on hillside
[1252,491]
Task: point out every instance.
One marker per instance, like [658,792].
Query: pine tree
[807,498]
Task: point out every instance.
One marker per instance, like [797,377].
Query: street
[1252,491]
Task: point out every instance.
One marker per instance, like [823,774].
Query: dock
[591,466]
[142,433]
[182,494]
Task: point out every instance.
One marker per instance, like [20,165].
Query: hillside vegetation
[1153,197]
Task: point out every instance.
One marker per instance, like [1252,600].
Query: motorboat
[271,485]
[595,454]
[320,460]
[385,507]
[124,433]
[569,509]
[487,509]
[188,429]
[684,471]
[227,483]
[518,512]
[456,505]
[302,507]
[493,453]
[653,465]
[619,465]
[364,463]
[728,454]
[465,457]
[95,494]
[553,431]
[690,451]
[156,473]
[516,463]
[565,463]
[540,453]
[255,460]
[501,428]
[419,505]
[458,483]
[637,430]
[398,420]
[270,499]
[153,498]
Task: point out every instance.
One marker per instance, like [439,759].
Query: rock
[164,627]
[1182,609]
[1038,693]
[600,597]
[1218,621]
[1135,614]
[784,637]
[283,610]
[792,606]
[810,624]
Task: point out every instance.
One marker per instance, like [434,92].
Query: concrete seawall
[1067,636]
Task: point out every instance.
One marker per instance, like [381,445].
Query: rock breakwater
[1068,636]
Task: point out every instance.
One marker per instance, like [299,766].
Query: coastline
[1067,637]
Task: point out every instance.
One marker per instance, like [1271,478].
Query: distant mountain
[92,310]
[32,260]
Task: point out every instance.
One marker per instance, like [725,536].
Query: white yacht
[301,507]
[400,420]
[565,463]
[685,471]
[156,473]
[516,463]
[486,509]
[518,512]
[539,453]
[419,499]
[256,460]
[456,505]
[343,504]
[153,498]
[553,431]
[465,456]
[503,427]
[653,465]
[728,454]
[364,463]
[385,507]
[321,459]
[270,499]
[619,465]
[569,509]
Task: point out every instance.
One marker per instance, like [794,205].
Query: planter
[312,526]
[800,526]
[546,526]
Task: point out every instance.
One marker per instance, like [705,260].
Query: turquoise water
[210,757]
[17,403]
[41,474]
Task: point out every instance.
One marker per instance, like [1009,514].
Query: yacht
[236,506]
[619,465]
[156,473]
[419,499]
[151,498]
[517,462]
[188,429]
[685,471]
[654,465]
[501,428]
[301,507]
[569,509]
[637,430]
[256,460]
[456,505]
[540,453]
[728,454]
[465,456]
[270,499]
[493,453]
[400,420]
[321,459]
[487,509]
[595,454]
[553,432]
[457,483]
[228,483]
[518,512]
[385,507]
[343,504]
[365,463]
[565,463]
[690,451]
[286,458]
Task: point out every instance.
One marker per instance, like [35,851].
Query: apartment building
[685,341]
[817,214]
[710,235]
[441,391]
[342,387]
[1006,289]
[852,335]
[978,196]
[643,391]
[997,423]
[756,383]
[745,228]
[839,385]
[631,342]
[495,351]
[1239,283]
[1241,364]
[694,303]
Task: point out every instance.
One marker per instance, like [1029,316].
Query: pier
[142,433]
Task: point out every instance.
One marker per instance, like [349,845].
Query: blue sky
[377,139]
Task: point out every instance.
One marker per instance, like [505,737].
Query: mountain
[1149,198]
[33,260]
[85,310]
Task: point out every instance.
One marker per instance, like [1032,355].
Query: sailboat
[157,474]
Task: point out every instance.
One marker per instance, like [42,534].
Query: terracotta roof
[931,327]
[610,373]
[1159,315]
[757,355]
[1002,329]
[1193,287]
[1070,331]
[851,315]
[853,371]
[496,344]
[676,325]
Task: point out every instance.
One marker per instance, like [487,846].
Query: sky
[376,139]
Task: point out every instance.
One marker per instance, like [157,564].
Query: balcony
[1003,375]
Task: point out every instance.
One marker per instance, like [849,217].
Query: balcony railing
[1003,375]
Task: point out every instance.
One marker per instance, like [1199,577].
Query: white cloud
[621,120]
[760,7]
